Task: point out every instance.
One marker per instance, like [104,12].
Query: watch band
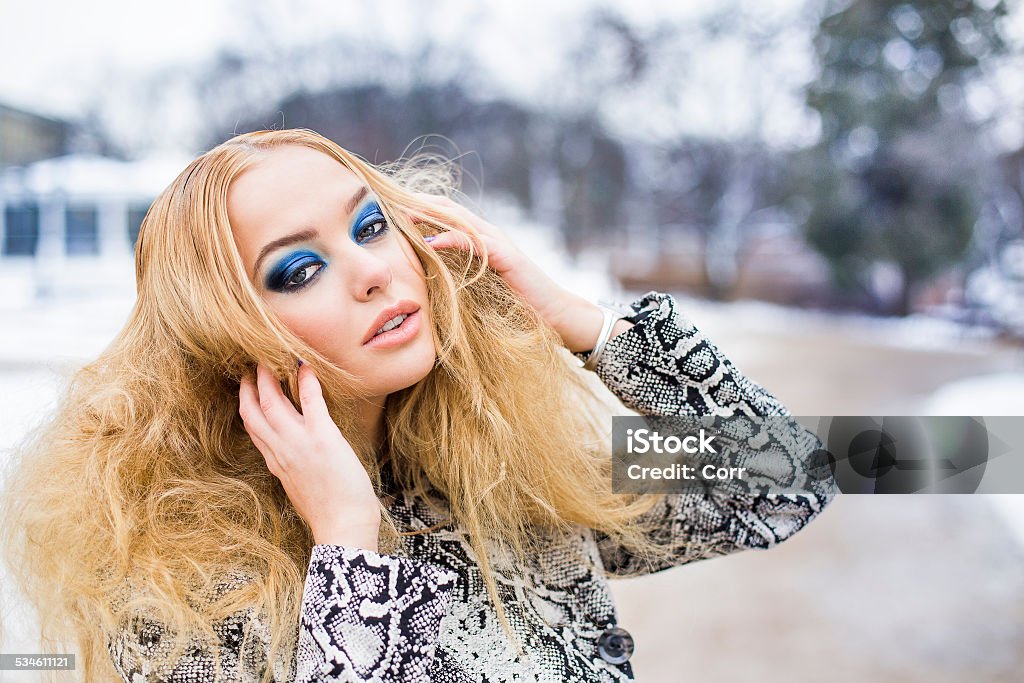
[610,318]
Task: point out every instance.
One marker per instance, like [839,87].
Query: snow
[997,394]
[91,175]
[917,331]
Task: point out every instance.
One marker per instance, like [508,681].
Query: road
[882,588]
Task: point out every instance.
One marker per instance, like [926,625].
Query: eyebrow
[308,233]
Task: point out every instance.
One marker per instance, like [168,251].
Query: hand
[320,472]
[576,320]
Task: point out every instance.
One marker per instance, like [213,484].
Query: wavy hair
[143,494]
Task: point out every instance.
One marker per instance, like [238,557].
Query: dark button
[615,645]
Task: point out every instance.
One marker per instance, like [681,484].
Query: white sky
[58,56]
[48,47]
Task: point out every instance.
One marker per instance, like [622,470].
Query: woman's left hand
[575,319]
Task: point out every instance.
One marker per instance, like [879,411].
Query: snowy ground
[895,588]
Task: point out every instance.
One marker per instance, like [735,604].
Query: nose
[370,274]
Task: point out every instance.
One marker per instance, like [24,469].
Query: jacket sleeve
[370,617]
[364,617]
[664,366]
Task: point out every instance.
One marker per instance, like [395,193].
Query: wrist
[580,324]
[621,325]
[350,541]
[364,536]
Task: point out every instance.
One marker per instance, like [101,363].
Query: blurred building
[26,137]
[68,224]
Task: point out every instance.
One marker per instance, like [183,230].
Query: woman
[425,497]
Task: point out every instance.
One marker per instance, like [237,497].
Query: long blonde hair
[145,478]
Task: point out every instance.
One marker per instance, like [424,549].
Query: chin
[408,380]
[406,371]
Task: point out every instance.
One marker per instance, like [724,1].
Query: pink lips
[404,306]
[398,335]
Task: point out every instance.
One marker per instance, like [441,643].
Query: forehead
[286,189]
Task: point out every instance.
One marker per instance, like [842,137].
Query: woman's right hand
[320,472]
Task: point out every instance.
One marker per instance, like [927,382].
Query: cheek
[408,263]
[319,320]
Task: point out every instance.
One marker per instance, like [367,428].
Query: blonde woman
[342,436]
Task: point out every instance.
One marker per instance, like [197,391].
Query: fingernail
[300,363]
[430,238]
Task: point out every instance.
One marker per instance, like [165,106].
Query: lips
[402,307]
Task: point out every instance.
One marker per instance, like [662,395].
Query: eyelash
[283,286]
[380,220]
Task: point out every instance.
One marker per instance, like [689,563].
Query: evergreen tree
[897,175]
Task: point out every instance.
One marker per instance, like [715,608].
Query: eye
[295,273]
[370,229]
[301,276]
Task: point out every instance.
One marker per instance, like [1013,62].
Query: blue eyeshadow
[369,215]
[278,277]
[286,268]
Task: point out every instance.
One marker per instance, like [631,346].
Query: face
[320,252]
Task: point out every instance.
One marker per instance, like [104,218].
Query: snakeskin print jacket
[425,616]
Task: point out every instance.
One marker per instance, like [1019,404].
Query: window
[21,236]
[81,236]
[135,216]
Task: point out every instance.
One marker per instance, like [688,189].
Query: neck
[371,420]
